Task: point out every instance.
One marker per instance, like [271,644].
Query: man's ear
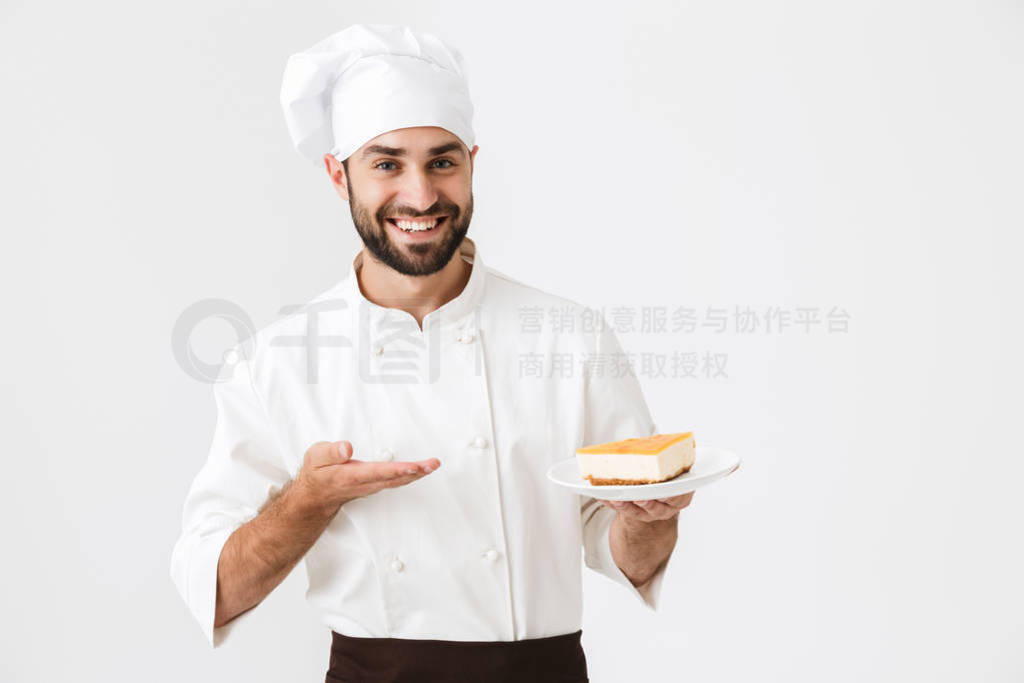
[336,172]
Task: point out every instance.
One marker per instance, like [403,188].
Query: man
[383,433]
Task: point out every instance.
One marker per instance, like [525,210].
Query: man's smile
[417,228]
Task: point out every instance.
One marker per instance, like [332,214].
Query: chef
[387,434]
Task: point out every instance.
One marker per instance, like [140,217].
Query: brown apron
[557,659]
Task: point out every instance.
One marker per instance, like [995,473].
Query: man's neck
[416,295]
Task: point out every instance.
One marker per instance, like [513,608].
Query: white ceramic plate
[710,464]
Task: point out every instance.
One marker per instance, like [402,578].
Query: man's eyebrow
[447,147]
[400,151]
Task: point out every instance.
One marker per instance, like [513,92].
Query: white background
[793,154]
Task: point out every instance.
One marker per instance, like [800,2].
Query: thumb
[324,453]
[344,450]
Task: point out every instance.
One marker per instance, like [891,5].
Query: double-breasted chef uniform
[486,548]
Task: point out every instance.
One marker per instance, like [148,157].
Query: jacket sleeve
[243,468]
[614,409]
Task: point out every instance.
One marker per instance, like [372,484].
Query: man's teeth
[411,226]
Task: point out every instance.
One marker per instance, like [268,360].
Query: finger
[324,453]
[678,502]
[634,511]
[428,465]
[657,509]
[411,474]
[359,472]
[403,480]
[373,472]
[625,506]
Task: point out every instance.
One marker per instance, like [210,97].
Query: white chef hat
[369,79]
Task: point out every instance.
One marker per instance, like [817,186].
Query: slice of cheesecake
[646,460]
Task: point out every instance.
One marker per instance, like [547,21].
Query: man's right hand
[330,477]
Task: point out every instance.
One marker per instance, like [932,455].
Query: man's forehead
[424,140]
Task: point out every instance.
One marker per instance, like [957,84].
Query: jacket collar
[451,312]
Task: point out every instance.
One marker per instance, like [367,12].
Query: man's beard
[416,257]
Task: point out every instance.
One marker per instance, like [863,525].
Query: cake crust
[596,481]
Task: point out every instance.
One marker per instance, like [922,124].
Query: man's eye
[380,164]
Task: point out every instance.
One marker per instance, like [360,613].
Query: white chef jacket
[485,548]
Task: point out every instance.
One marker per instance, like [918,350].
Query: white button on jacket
[486,548]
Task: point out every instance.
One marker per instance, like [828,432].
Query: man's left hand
[650,510]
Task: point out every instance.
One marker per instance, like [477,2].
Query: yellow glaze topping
[648,445]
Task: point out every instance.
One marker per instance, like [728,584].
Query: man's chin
[414,256]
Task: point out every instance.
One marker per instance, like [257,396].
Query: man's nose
[418,191]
